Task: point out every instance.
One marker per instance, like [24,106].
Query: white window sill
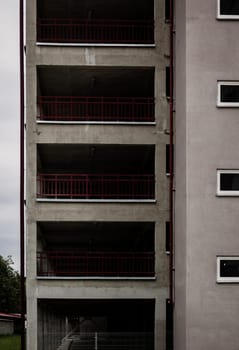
[97,278]
[93,123]
[93,45]
[228,17]
[96,200]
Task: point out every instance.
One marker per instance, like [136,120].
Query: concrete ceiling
[96,9]
[123,313]
[92,81]
[114,236]
[92,158]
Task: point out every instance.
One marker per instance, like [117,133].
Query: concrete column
[160,329]
[32,322]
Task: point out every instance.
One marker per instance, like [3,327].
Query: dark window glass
[229,268]
[229,7]
[167,238]
[167,83]
[229,182]
[167,10]
[229,93]
[169,325]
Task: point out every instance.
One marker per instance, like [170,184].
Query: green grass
[10,342]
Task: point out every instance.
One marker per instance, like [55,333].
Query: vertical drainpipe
[22,241]
[171,156]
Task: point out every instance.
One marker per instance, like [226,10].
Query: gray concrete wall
[102,134]
[206,139]
[6,327]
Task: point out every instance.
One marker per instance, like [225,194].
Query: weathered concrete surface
[206,313]
[103,134]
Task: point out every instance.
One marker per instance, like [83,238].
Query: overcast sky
[9,130]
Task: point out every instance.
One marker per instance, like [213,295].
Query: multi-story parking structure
[98,175]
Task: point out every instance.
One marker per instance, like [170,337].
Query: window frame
[226,104]
[226,279]
[220,16]
[222,192]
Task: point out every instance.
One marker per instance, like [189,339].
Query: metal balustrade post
[56,109]
[55,187]
[101,108]
[133,109]
[71,187]
[117,114]
[71,108]
[87,184]
[87,109]
[96,341]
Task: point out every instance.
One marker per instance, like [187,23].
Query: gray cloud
[9,131]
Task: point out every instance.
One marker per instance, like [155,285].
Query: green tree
[9,286]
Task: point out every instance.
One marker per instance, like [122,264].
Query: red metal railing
[70,30]
[95,186]
[73,263]
[83,108]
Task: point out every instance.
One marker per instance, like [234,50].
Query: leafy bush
[10,287]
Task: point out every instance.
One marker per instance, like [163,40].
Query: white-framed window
[227,9]
[227,182]
[228,269]
[228,94]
